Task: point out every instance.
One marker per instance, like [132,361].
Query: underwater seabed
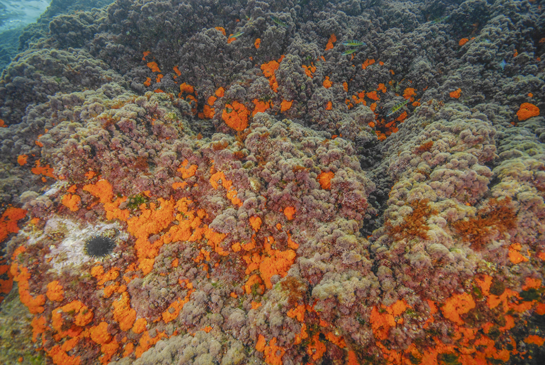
[281,182]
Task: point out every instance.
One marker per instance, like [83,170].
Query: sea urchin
[99,246]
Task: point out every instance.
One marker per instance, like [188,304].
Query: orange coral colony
[456,93]
[325,179]
[235,115]
[527,111]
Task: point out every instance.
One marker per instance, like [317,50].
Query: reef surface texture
[275,182]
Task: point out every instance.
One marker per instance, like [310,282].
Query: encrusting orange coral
[330,42]
[289,212]
[456,93]
[123,313]
[285,105]
[527,111]
[72,202]
[22,160]
[55,292]
[154,67]
[260,106]
[8,221]
[457,305]
[269,70]
[325,179]
[235,115]
[273,354]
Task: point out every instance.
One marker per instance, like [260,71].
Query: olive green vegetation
[16,333]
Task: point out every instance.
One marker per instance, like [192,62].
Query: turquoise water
[279,182]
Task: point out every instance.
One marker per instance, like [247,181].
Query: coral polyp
[99,246]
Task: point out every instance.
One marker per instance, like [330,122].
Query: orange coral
[285,105]
[325,179]
[329,45]
[222,30]
[54,291]
[43,170]
[329,105]
[99,333]
[297,312]
[269,70]
[409,93]
[257,43]
[367,63]
[260,106]
[382,87]
[123,313]
[381,323]
[146,342]
[154,67]
[22,160]
[235,115]
[171,313]
[463,41]
[289,212]
[8,221]
[186,88]
[39,325]
[273,354]
[316,348]
[535,340]
[21,275]
[277,263]
[526,111]
[457,305]
[309,70]
[255,222]
[72,202]
[187,171]
[327,83]
[373,95]
[456,93]
[514,254]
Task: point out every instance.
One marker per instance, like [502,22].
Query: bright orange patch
[463,41]
[325,179]
[330,42]
[457,305]
[154,67]
[285,105]
[456,93]
[527,111]
[72,202]
[55,292]
[255,222]
[367,63]
[235,115]
[289,212]
[22,160]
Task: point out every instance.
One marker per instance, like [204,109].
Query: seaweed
[414,224]
[497,216]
